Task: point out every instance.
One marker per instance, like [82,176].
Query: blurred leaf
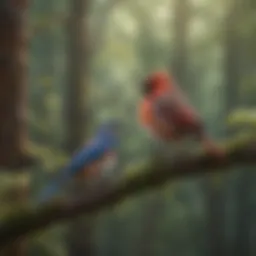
[51,158]
[242,117]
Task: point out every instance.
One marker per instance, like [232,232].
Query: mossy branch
[145,177]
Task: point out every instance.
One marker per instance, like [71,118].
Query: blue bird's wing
[80,160]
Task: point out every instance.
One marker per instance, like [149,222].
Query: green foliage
[243,118]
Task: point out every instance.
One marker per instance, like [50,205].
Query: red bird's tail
[212,148]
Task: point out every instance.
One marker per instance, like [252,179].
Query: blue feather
[104,141]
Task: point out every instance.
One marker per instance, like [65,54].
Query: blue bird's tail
[51,190]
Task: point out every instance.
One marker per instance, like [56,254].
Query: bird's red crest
[159,77]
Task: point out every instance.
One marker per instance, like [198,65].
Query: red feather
[166,112]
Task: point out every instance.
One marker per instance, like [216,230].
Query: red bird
[166,112]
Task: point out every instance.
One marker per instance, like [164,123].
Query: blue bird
[95,153]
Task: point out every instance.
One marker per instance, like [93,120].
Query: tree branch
[147,176]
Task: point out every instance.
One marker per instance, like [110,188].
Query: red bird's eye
[157,81]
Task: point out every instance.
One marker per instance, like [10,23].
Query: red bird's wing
[176,112]
[151,122]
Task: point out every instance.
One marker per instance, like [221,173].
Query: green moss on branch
[146,177]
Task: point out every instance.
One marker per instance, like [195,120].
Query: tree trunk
[180,51]
[80,238]
[235,72]
[13,128]
[79,235]
[151,217]
[13,67]
[232,56]
[17,195]
[242,239]
[219,242]
[215,219]
[44,67]
[78,68]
